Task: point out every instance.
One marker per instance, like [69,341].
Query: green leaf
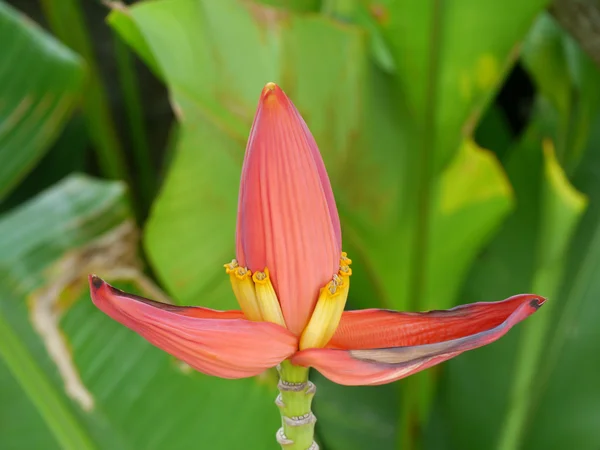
[40,82]
[356,417]
[520,384]
[568,374]
[208,109]
[469,201]
[73,214]
[529,255]
[83,206]
[444,79]
[190,234]
[18,421]
[364,135]
[48,401]
[473,197]
[91,382]
[448,65]
[67,20]
[122,22]
[450,59]
[561,209]
[569,81]
[194,216]
[567,385]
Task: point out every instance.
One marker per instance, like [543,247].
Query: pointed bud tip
[95,281]
[272,94]
[270,86]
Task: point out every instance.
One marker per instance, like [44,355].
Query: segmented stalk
[294,402]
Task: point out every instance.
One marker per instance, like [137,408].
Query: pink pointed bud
[287,218]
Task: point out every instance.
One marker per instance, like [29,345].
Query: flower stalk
[294,402]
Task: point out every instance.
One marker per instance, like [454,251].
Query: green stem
[297,420]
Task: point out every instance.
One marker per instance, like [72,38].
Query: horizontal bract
[378,346]
[222,344]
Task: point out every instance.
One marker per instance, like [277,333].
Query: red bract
[292,280]
[287,218]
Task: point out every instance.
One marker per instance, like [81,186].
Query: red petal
[287,218]
[217,343]
[378,346]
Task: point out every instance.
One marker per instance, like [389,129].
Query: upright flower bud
[287,219]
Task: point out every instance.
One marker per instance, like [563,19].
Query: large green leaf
[529,255]
[561,208]
[75,378]
[368,143]
[444,80]
[40,81]
[448,64]
[450,58]
[569,81]
[567,384]
[216,106]
[356,417]
[194,217]
[520,384]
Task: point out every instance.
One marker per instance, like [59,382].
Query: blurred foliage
[443,201]
[41,82]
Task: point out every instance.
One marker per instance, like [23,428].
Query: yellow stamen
[268,302]
[328,311]
[344,260]
[345,271]
[243,288]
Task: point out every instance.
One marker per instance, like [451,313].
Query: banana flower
[291,280]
